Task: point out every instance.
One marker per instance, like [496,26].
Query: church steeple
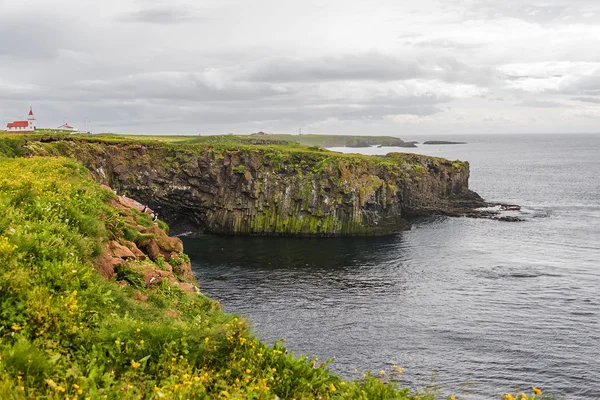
[31,119]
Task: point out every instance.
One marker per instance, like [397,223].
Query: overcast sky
[394,67]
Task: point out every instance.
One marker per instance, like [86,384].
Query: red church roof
[18,124]
[30,111]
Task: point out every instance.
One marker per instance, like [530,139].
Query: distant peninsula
[442,142]
[338,140]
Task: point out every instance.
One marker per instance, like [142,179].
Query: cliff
[272,189]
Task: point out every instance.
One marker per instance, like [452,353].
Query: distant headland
[442,142]
[338,140]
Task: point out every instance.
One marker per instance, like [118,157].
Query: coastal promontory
[255,186]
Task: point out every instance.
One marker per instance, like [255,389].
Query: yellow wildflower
[332,387]
[135,365]
[453,397]
[248,371]
[60,389]
[536,390]
[141,342]
[382,372]
[16,327]
[117,342]
[76,386]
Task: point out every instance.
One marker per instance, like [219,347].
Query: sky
[392,67]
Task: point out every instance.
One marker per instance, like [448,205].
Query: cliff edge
[286,190]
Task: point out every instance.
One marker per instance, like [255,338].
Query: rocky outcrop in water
[270,190]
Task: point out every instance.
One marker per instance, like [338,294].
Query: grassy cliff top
[12,145]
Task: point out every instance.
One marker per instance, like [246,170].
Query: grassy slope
[65,332]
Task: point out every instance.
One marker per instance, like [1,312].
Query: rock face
[263,190]
[147,257]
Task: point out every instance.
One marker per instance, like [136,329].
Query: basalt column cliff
[273,189]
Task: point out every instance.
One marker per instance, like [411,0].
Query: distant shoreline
[442,142]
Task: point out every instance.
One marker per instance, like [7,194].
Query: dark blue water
[483,306]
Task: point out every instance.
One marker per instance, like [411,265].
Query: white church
[23,126]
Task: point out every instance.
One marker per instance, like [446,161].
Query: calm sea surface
[483,306]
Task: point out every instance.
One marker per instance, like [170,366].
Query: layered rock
[271,190]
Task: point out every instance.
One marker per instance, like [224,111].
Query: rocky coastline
[274,190]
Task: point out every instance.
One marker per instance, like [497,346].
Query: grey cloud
[541,104]
[160,15]
[582,84]
[30,37]
[370,66]
[547,12]
[186,98]
[446,44]
[451,70]
[518,77]
[183,86]
[365,67]
[587,99]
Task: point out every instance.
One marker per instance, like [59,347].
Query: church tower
[31,120]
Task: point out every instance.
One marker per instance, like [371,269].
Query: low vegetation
[65,332]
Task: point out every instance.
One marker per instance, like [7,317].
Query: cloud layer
[149,66]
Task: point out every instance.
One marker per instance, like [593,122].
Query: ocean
[479,307]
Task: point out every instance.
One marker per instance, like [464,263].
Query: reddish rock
[185,272]
[168,267]
[188,287]
[139,255]
[154,277]
[129,203]
[105,265]
[120,251]
[150,248]
[168,244]
[115,262]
